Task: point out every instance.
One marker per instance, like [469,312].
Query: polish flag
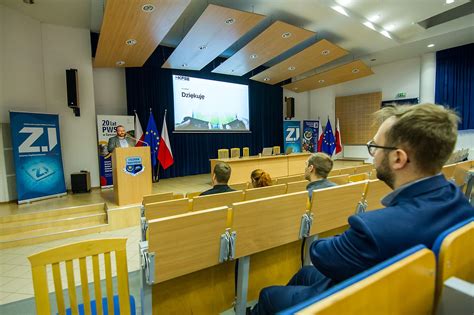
[338,138]
[320,136]
[165,156]
[138,132]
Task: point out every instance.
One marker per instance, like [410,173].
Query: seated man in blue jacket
[409,150]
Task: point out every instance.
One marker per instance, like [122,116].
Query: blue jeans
[305,283]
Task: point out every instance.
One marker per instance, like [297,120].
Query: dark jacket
[217,189]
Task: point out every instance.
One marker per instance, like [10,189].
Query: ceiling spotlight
[131,42]
[202,47]
[120,63]
[325,52]
[430,45]
[386,34]
[369,25]
[355,70]
[286,35]
[449,1]
[253,56]
[390,27]
[339,9]
[230,21]
[321,81]
[266,79]
[148,8]
[184,65]
[291,68]
[374,18]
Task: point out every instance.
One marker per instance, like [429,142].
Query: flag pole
[158,169]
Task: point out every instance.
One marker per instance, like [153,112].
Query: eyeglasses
[371,147]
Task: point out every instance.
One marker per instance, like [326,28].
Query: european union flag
[152,138]
[329,143]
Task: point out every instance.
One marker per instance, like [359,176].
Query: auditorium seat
[358,177]
[262,192]
[289,179]
[403,284]
[454,249]
[223,153]
[65,255]
[157,197]
[339,179]
[239,186]
[167,208]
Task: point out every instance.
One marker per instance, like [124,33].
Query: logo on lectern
[133,165]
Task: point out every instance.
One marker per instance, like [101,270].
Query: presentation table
[275,165]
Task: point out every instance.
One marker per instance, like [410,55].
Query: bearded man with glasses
[409,149]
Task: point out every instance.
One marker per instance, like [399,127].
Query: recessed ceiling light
[325,52]
[148,8]
[253,56]
[430,45]
[374,18]
[339,9]
[449,1]
[369,25]
[120,63]
[321,81]
[291,68]
[230,21]
[295,88]
[202,47]
[131,42]
[286,35]
[386,34]
[184,65]
[266,79]
[355,70]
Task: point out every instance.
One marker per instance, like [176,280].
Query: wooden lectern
[132,174]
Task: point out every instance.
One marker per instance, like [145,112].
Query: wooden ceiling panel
[124,20]
[350,71]
[275,40]
[215,31]
[312,57]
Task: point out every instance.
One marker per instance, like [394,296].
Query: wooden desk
[275,165]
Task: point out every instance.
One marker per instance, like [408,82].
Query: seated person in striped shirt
[220,178]
[316,171]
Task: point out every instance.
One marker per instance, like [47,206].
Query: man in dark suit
[120,140]
[220,178]
[409,150]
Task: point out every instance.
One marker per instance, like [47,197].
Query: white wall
[427,78]
[110,91]
[33,60]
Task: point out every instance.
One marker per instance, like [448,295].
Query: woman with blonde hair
[260,178]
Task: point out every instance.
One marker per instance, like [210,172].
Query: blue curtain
[151,87]
[455,82]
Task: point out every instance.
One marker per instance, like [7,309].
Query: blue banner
[310,135]
[37,155]
[292,136]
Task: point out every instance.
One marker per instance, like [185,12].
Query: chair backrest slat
[108,283]
[39,285]
[332,206]
[97,288]
[262,192]
[217,200]
[157,197]
[58,288]
[71,286]
[122,275]
[187,242]
[296,186]
[339,179]
[267,223]
[85,286]
[167,208]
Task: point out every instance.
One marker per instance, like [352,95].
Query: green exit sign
[401,95]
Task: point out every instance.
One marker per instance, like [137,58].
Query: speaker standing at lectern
[121,140]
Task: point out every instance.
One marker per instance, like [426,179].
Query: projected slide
[206,105]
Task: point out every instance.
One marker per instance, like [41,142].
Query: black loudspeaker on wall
[290,107]
[72,91]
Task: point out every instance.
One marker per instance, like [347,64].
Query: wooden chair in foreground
[217,200]
[262,192]
[403,284]
[455,275]
[123,303]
